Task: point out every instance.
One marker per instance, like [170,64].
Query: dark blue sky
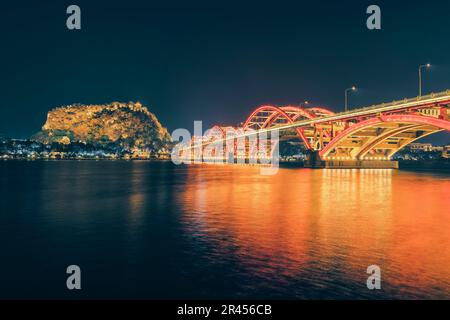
[214,60]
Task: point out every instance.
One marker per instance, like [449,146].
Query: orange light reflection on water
[328,221]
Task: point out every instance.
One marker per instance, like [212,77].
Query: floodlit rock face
[129,125]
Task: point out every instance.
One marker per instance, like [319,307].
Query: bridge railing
[398,102]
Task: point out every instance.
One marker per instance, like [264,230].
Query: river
[142,229]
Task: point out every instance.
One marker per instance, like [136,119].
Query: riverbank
[412,165]
[432,165]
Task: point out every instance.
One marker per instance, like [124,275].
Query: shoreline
[411,165]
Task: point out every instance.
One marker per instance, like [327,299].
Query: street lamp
[420,76]
[346,96]
[304,103]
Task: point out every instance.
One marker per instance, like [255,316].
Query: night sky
[214,60]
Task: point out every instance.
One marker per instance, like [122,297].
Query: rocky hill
[128,125]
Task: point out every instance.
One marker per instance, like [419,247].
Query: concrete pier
[314,161]
[364,164]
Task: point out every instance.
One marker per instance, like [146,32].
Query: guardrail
[399,102]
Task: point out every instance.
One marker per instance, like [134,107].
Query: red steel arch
[288,113]
[275,112]
[215,131]
[221,132]
[291,111]
[320,111]
[396,118]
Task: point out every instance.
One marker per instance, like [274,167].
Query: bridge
[359,138]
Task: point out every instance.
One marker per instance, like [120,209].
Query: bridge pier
[361,164]
[314,161]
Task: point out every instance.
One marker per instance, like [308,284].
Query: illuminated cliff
[129,125]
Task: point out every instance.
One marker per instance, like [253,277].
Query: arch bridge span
[367,134]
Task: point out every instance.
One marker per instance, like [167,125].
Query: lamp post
[346,96]
[304,103]
[420,76]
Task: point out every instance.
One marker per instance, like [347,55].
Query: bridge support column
[313,160]
[360,164]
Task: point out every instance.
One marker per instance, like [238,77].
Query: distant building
[437,148]
[427,147]
[446,152]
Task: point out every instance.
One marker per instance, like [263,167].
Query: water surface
[143,229]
